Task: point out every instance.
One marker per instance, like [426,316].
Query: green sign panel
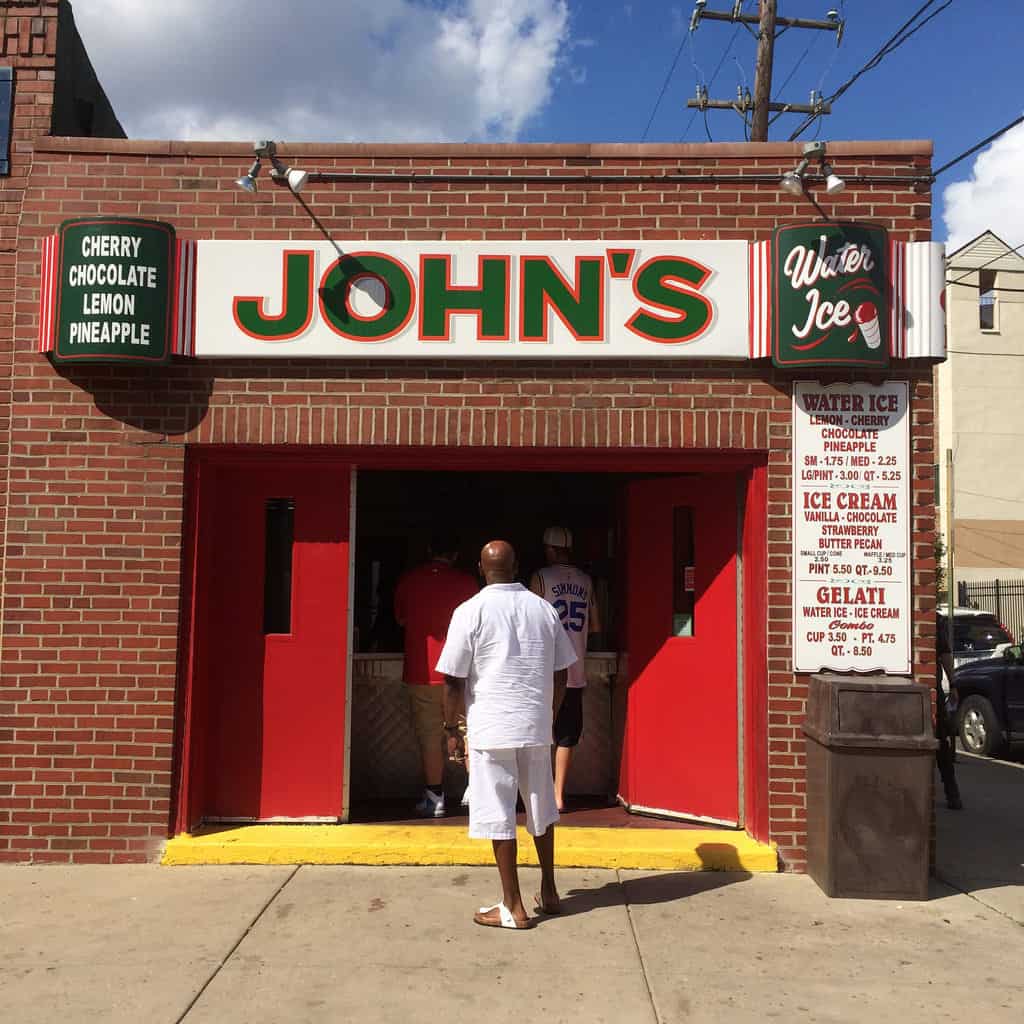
[831,295]
[114,290]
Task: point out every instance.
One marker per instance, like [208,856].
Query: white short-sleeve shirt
[507,643]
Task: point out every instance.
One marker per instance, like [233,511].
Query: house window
[987,311]
[6,102]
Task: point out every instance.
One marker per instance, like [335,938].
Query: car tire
[978,727]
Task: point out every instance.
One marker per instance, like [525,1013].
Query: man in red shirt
[425,598]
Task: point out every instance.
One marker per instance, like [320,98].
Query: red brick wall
[90,661]
[28,44]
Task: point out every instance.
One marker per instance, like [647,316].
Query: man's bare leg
[563,758]
[505,852]
[433,763]
[545,844]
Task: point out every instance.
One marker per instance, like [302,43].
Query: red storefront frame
[749,467]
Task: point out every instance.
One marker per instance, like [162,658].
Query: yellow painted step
[645,848]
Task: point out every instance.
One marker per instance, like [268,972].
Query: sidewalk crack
[636,946]
[231,952]
[978,899]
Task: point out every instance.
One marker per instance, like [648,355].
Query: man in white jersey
[571,593]
[504,650]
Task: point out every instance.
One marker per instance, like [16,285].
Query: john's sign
[466,300]
[117,289]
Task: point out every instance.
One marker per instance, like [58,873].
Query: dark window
[6,104]
[987,300]
[683,568]
[978,633]
[277,565]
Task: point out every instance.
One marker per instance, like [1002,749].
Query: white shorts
[495,777]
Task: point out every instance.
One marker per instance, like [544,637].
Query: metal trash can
[870,746]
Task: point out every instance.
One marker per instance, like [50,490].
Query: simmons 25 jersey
[571,592]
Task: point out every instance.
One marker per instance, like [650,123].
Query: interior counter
[385,757]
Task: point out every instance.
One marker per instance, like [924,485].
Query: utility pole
[763,71]
[759,107]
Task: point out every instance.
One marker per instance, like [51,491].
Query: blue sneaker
[430,806]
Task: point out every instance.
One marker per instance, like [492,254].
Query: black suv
[990,698]
[976,634]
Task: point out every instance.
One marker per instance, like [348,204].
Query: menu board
[851,527]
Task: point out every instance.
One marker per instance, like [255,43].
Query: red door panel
[680,748]
[276,628]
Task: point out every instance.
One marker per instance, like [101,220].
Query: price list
[851,528]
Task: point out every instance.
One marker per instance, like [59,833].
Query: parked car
[977,634]
[988,695]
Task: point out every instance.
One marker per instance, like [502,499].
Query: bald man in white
[504,650]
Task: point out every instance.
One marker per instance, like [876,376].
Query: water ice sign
[851,527]
[831,295]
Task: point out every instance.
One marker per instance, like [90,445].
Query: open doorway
[397,513]
[312,714]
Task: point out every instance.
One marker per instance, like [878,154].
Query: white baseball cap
[558,537]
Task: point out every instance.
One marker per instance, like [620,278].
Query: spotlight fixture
[833,183]
[297,179]
[793,183]
[248,180]
[265,149]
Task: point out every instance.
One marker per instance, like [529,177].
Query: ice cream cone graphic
[866,316]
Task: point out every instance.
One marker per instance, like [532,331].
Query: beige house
[981,409]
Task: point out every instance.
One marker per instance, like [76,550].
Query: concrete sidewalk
[219,945]
[980,849]
[268,944]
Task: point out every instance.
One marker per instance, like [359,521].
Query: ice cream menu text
[851,528]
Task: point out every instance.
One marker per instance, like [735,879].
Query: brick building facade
[95,584]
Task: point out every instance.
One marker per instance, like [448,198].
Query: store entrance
[295,706]
[397,514]
[661,704]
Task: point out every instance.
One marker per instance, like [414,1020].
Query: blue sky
[952,82]
[564,70]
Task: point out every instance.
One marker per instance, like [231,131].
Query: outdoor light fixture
[248,180]
[297,179]
[833,183]
[792,182]
[267,150]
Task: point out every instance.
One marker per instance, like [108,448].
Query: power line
[982,266]
[975,148]
[899,37]
[800,60]
[995,288]
[756,109]
[664,85]
[711,81]
[793,71]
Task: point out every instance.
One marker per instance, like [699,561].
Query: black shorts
[569,720]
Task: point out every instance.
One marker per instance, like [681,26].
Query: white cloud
[990,198]
[305,70]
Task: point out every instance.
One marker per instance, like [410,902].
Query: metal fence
[1004,598]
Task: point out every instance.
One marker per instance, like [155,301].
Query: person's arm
[593,615]
[561,678]
[453,705]
[565,655]
[536,585]
[454,664]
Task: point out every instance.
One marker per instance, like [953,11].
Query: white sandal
[505,918]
